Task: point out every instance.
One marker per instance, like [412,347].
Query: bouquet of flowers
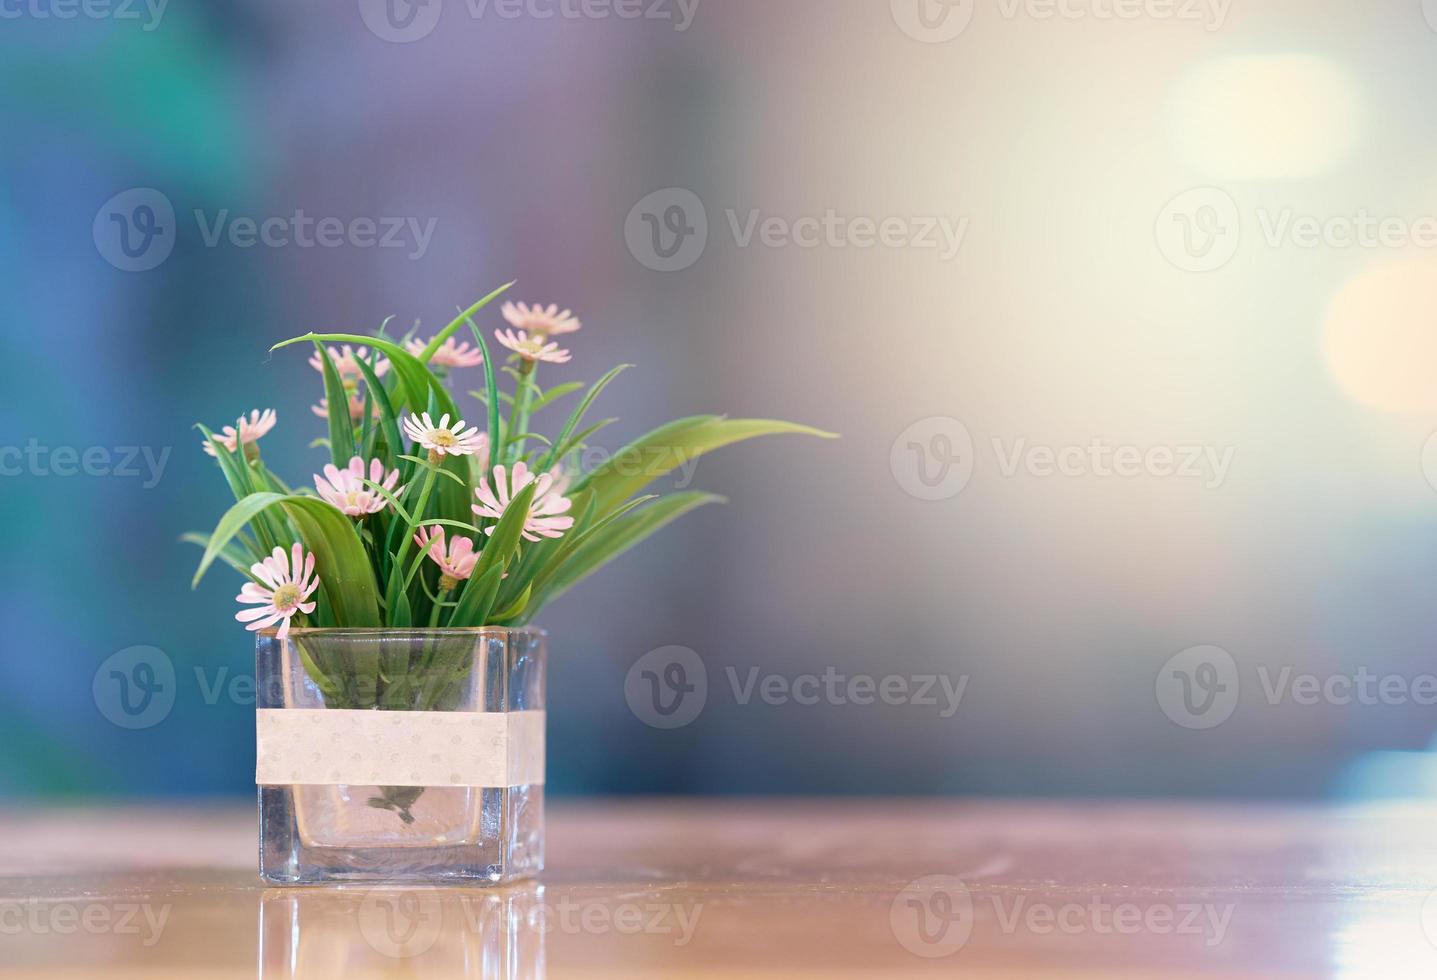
[422,520]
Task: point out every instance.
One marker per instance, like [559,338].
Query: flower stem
[415,516]
[519,417]
[434,616]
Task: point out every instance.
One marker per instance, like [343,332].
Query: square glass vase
[400,755]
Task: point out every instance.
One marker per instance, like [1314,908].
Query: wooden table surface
[780,889]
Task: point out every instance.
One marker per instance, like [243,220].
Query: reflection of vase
[394,931]
[401,755]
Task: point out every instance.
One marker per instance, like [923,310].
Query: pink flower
[250,430]
[347,490]
[446,440]
[532,348]
[451,353]
[344,359]
[356,408]
[545,518]
[458,564]
[538,320]
[283,593]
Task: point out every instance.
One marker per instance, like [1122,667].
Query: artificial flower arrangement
[423,524]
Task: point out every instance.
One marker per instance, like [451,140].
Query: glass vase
[404,755]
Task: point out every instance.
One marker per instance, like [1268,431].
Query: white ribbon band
[330,747]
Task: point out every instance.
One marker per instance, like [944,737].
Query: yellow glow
[1382,337]
[1265,116]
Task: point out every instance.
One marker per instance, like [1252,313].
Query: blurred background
[1126,311]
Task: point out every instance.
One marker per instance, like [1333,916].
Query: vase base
[327,836]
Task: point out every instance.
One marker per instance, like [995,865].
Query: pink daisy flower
[249,431]
[532,348]
[346,489]
[345,358]
[356,408]
[287,580]
[539,320]
[457,564]
[451,353]
[546,514]
[444,439]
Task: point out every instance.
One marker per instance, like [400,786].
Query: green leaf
[388,421]
[341,429]
[491,391]
[231,524]
[477,600]
[618,538]
[671,446]
[515,607]
[508,533]
[416,382]
[339,555]
[578,416]
[233,555]
[339,559]
[554,394]
[438,340]
[421,461]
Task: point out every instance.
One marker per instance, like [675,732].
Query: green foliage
[372,572]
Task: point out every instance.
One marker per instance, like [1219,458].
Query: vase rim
[405,630]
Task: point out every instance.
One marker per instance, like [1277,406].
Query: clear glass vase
[400,755]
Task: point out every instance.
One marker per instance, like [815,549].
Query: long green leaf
[491,390]
[577,416]
[416,381]
[618,538]
[388,421]
[508,533]
[341,429]
[339,556]
[437,341]
[478,599]
[671,446]
[234,555]
[233,521]
[339,559]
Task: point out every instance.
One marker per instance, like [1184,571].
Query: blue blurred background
[1132,272]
